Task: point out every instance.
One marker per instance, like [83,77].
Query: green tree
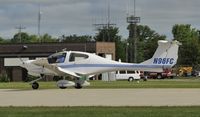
[47,38]
[34,38]
[110,34]
[120,50]
[189,37]
[2,40]
[75,38]
[184,32]
[20,38]
[146,41]
[26,38]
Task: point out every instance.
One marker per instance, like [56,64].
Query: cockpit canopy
[61,57]
[77,57]
[57,58]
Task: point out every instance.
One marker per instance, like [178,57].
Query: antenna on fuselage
[64,49]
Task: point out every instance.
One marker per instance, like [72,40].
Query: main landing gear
[79,82]
[78,86]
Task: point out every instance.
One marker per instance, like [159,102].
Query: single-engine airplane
[82,65]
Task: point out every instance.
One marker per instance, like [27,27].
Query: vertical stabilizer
[166,54]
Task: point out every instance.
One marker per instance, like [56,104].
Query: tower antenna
[107,25]
[133,20]
[20,28]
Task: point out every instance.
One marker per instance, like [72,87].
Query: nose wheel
[35,85]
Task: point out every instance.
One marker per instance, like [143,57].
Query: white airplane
[82,65]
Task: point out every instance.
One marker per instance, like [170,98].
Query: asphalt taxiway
[100,97]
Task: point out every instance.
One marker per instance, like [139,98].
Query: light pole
[39,22]
[127,44]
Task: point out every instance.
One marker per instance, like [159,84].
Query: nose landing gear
[35,85]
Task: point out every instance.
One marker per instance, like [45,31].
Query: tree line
[189,54]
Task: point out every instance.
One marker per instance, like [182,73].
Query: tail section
[166,54]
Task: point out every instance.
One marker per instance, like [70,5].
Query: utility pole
[39,20]
[20,28]
[133,20]
[105,25]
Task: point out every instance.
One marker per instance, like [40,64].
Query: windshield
[57,58]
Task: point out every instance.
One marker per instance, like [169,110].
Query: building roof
[43,49]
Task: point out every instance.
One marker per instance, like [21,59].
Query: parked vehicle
[128,75]
[185,71]
[159,75]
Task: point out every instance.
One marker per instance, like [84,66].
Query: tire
[35,85]
[159,76]
[78,86]
[62,87]
[130,79]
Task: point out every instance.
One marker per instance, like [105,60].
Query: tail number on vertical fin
[163,61]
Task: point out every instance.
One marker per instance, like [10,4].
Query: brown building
[10,54]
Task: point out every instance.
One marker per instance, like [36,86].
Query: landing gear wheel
[35,85]
[78,86]
[62,87]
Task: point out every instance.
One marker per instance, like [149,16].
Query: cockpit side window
[57,58]
[76,57]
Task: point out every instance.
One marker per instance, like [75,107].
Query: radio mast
[133,20]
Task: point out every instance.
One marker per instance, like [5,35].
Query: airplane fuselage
[88,64]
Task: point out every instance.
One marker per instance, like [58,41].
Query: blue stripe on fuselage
[109,65]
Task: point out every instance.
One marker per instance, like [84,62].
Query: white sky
[77,16]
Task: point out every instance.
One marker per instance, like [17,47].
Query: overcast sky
[77,16]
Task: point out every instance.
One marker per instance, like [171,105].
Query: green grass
[100,111]
[163,83]
[25,85]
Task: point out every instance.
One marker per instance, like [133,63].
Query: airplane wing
[73,73]
[54,68]
[68,72]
